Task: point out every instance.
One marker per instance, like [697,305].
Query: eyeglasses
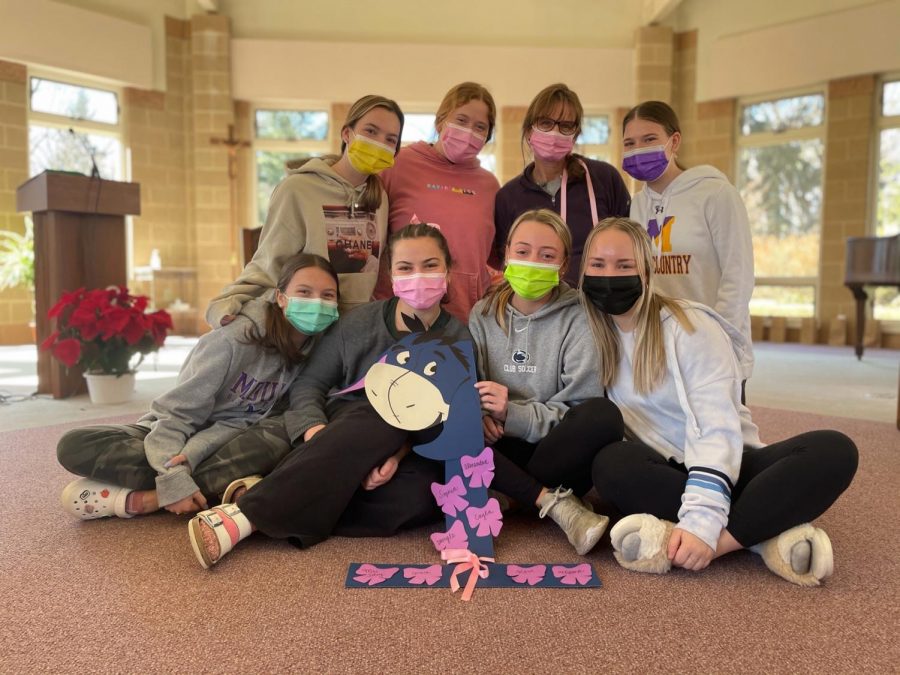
[547,124]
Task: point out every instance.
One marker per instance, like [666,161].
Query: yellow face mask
[368,156]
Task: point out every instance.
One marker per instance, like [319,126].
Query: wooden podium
[79,240]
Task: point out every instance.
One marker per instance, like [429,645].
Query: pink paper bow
[488,519]
[455,537]
[480,468]
[370,574]
[449,496]
[466,561]
[423,575]
[579,574]
[526,575]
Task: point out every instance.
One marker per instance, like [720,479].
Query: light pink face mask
[459,143]
[551,146]
[421,291]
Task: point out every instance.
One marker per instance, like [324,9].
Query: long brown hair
[462,94]
[371,196]
[649,347]
[279,335]
[542,105]
[499,295]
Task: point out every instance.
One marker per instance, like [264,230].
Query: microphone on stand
[95,172]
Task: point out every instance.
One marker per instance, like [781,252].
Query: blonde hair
[462,94]
[542,105]
[499,295]
[371,196]
[649,348]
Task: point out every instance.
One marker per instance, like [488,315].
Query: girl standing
[184,451]
[544,409]
[581,190]
[331,206]
[695,219]
[444,184]
[694,473]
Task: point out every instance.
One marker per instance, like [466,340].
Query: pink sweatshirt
[457,197]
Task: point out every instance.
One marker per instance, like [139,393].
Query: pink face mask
[421,291]
[459,143]
[551,146]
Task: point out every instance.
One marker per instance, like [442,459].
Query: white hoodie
[312,210]
[702,245]
[695,414]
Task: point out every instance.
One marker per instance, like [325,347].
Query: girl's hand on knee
[381,474]
[494,398]
[196,502]
[688,550]
[493,430]
[175,461]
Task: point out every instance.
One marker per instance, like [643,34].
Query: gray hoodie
[313,210]
[547,361]
[224,386]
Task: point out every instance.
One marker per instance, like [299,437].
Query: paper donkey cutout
[424,381]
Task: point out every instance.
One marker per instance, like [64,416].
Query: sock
[134,502]
[631,546]
[801,557]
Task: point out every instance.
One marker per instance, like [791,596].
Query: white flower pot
[104,388]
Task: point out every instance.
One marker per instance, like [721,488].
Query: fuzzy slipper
[228,523]
[802,555]
[88,499]
[639,542]
[235,485]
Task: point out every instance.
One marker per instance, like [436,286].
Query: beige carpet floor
[117,596]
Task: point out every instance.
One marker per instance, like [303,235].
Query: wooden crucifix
[232,144]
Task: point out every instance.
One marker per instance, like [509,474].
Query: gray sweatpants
[115,454]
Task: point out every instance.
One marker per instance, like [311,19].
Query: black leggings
[780,486]
[562,457]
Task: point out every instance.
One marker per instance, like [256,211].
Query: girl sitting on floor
[186,450]
[694,475]
[543,405]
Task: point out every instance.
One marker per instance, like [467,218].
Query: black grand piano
[871,261]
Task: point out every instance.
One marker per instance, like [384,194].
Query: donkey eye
[430,369]
[402,358]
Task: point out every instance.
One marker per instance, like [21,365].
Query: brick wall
[653,62]
[213,111]
[15,304]
[848,141]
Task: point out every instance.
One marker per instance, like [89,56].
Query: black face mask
[613,295]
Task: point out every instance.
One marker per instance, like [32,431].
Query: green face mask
[310,316]
[531,280]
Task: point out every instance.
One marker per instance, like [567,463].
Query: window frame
[763,139]
[323,147]
[44,119]
[881,122]
[607,148]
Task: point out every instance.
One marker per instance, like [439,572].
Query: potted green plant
[17,262]
[101,330]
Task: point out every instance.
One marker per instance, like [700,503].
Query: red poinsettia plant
[102,329]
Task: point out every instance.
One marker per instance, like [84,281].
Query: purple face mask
[646,164]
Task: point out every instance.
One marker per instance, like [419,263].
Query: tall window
[593,142]
[887,211]
[281,135]
[780,153]
[420,127]
[68,122]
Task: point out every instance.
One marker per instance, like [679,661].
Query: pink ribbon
[466,561]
